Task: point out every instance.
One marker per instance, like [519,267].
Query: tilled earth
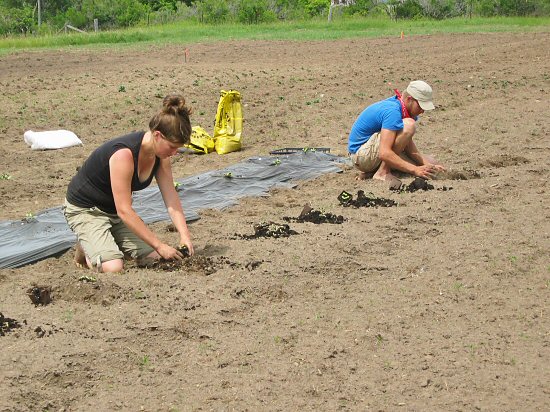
[437,303]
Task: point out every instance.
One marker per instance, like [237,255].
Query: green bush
[409,9]
[361,7]
[16,20]
[212,11]
[316,7]
[254,11]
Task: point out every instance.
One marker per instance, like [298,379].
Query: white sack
[52,139]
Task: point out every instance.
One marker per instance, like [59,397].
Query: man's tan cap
[422,92]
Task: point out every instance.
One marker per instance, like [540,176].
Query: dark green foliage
[409,9]
[20,17]
[254,11]
[212,11]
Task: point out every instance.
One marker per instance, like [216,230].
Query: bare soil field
[439,303]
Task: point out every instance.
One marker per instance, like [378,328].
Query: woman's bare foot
[80,257]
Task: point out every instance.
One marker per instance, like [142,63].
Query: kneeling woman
[99,208]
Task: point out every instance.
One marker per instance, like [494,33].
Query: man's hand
[169,253]
[427,171]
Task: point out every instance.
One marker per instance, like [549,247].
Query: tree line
[22,17]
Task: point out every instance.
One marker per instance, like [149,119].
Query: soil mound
[417,184]
[362,200]
[269,229]
[503,160]
[465,174]
[90,289]
[40,295]
[7,325]
[194,264]
[309,214]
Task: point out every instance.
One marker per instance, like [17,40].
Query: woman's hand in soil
[169,253]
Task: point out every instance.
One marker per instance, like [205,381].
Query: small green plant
[277,339]
[513,259]
[315,101]
[379,339]
[68,315]
[29,217]
[144,362]
[458,286]
[139,295]
[177,185]
[228,175]
[88,279]
[121,88]
[276,162]
[196,83]
[5,176]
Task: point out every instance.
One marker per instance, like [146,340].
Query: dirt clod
[40,295]
[363,200]
[269,229]
[315,216]
[7,324]
[418,184]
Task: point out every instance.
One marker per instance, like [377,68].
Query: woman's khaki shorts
[367,157]
[103,236]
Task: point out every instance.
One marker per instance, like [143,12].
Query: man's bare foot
[80,257]
[393,181]
[361,176]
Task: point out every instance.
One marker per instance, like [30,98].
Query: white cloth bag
[52,139]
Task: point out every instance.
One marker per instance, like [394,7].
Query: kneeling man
[381,139]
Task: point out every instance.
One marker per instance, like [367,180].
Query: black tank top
[91,186]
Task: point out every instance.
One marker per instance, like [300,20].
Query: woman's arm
[121,166]
[172,201]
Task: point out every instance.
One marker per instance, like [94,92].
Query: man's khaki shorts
[103,236]
[367,157]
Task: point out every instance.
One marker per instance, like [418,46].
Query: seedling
[89,279]
[277,162]
[5,176]
[122,88]
[29,217]
[177,186]
[139,295]
[379,339]
[144,362]
[458,286]
[228,175]
[68,315]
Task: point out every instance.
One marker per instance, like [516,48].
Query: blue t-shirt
[385,114]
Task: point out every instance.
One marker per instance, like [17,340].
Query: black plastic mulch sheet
[46,234]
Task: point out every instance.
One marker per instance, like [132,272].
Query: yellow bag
[201,141]
[229,122]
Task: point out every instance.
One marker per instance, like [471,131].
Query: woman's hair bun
[175,103]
